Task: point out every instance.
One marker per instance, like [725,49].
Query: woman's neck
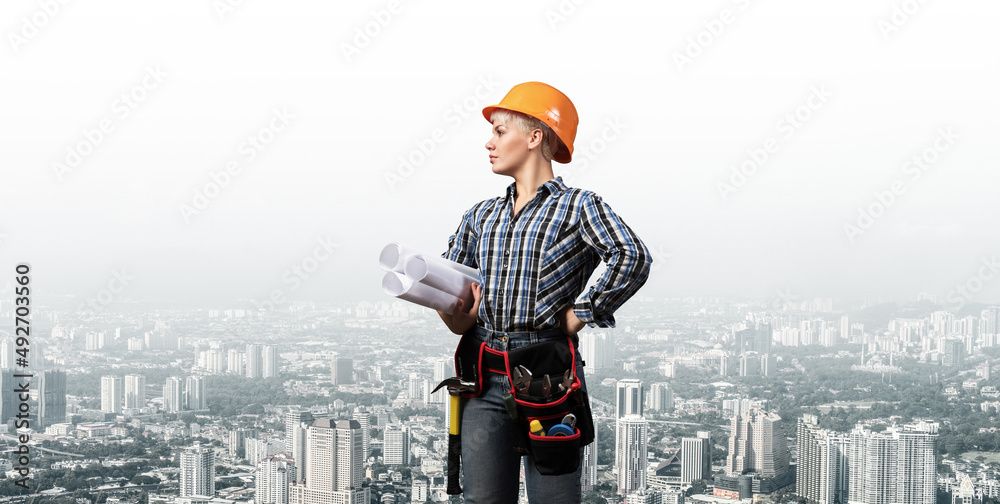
[531,176]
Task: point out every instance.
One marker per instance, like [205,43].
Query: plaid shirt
[536,263]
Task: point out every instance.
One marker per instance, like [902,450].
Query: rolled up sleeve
[627,258]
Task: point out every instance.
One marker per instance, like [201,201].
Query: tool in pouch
[529,399]
[563,413]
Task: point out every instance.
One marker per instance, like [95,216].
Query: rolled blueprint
[393,257]
[430,281]
[447,276]
[397,285]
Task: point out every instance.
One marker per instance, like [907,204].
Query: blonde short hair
[527,124]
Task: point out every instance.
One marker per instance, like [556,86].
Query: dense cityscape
[694,400]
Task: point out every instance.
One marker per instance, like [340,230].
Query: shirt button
[504,265]
[501,291]
[506,252]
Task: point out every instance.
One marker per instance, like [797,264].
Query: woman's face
[508,148]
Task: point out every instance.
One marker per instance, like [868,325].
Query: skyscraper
[198,471]
[50,386]
[588,470]
[235,362]
[334,470]
[630,453]
[597,349]
[296,427]
[629,398]
[111,394]
[894,466]
[342,371]
[173,395]
[364,419]
[822,470]
[135,391]
[238,439]
[274,474]
[255,361]
[396,446]
[696,457]
[270,359]
[757,444]
[194,393]
[661,397]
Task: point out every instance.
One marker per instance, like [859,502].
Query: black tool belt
[531,399]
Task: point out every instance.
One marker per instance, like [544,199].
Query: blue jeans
[490,465]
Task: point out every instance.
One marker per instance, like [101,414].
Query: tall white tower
[135,391]
[198,471]
[111,394]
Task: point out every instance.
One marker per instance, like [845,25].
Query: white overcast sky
[884,78]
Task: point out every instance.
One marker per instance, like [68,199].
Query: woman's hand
[461,320]
[569,322]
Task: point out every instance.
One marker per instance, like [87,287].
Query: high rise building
[749,364]
[630,453]
[597,349]
[334,470]
[50,390]
[420,490]
[442,370]
[661,397]
[194,393]
[274,474]
[588,470]
[256,450]
[255,361]
[135,391]
[238,439]
[629,398]
[989,326]
[296,427]
[822,469]
[757,445]
[111,394]
[954,353]
[363,418]
[893,466]
[235,362]
[197,471]
[696,457]
[270,356]
[173,395]
[396,445]
[342,371]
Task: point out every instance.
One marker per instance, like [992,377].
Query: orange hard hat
[547,104]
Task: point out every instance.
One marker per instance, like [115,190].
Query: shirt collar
[553,186]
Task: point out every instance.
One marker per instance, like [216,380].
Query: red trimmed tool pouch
[552,454]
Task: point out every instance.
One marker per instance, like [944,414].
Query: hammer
[455,387]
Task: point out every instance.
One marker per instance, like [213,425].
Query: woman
[535,248]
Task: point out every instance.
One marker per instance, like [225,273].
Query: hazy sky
[120,119]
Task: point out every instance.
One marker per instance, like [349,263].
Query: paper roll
[440,275]
[397,285]
[393,257]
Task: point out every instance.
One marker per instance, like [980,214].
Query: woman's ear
[535,139]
